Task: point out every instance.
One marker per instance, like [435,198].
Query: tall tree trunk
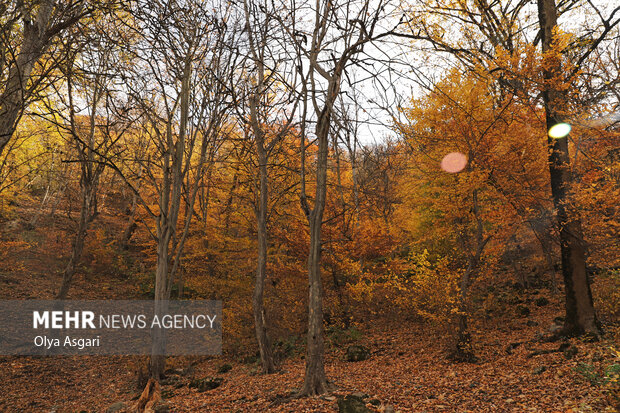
[260,324]
[580,315]
[158,359]
[170,204]
[131,224]
[13,97]
[315,381]
[463,350]
[257,20]
[88,193]
[46,197]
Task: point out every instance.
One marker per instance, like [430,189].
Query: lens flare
[561,130]
[454,162]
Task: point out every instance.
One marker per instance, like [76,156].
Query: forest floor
[408,369]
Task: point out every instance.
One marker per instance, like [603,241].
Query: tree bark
[257,22]
[89,179]
[260,324]
[13,97]
[88,194]
[463,350]
[131,225]
[315,380]
[580,315]
[161,296]
[170,205]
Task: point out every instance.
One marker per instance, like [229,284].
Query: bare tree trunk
[359,31]
[13,98]
[58,197]
[345,232]
[258,21]
[355,179]
[205,199]
[46,197]
[131,225]
[464,350]
[315,380]
[170,205]
[229,201]
[181,282]
[260,324]
[158,360]
[78,244]
[580,315]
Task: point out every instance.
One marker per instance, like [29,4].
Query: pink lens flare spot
[454,162]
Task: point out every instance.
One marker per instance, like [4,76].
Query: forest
[399,205]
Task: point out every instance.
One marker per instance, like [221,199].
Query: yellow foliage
[414,286]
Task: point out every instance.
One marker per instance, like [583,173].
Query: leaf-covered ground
[408,371]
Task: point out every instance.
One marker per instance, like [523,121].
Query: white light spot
[561,130]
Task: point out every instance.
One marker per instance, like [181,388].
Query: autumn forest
[402,206]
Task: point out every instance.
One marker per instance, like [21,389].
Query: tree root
[151,395]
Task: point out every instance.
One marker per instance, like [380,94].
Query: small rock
[161,407]
[357,353]
[224,368]
[539,370]
[522,310]
[249,360]
[352,404]
[171,371]
[570,352]
[187,371]
[541,301]
[206,384]
[170,380]
[116,407]
[360,395]
[564,346]
[512,346]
